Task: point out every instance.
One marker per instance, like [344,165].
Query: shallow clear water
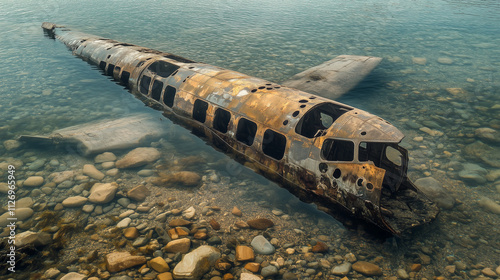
[427,47]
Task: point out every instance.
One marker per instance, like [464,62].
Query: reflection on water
[438,83]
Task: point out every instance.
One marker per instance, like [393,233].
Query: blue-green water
[427,47]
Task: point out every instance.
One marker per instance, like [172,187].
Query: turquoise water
[427,47]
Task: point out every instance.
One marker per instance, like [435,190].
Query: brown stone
[367,269]
[178,246]
[214,224]
[237,212]
[179,223]
[138,157]
[416,267]
[118,261]
[253,267]
[244,253]
[139,193]
[241,224]
[260,223]
[131,233]
[173,233]
[159,264]
[222,265]
[181,231]
[320,247]
[489,272]
[165,276]
[186,178]
[228,276]
[201,235]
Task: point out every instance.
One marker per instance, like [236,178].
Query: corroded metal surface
[345,160]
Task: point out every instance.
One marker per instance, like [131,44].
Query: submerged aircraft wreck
[345,160]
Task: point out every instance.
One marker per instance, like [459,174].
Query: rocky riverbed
[157,213]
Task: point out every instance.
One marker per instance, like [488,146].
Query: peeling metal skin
[323,151]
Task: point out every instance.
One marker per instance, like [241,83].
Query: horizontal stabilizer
[105,135]
[335,77]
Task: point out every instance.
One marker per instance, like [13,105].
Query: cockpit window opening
[163,68]
[393,155]
[156,90]
[337,150]
[319,118]
[371,151]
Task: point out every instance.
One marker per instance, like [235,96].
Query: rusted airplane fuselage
[341,158]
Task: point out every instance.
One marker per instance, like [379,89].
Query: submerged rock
[103,193]
[473,173]
[37,239]
[74,201]
[367,269]
[488,134]
[105,157]
[260,223]
[138,193]
[489,155]
[342,270]
[92,172]
[489,205]
[10,145]
[262,246]
[118,261]
[196,263]
[138,157]
[433,189]
[33,181]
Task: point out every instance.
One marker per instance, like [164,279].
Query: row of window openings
[156,90]
[124,76]
[273,143]
[343,150]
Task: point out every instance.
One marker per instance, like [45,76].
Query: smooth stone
[165,276]
[196,263]
[214,240]
[252,266]
[260,223]
[59,177]
[403,274]
[37,239]
[146,173]
[342,270]
[4,187]
[489,205]
[21,214]
[118,261]
[189,213]
[131,233]
[138,157]
[74,201]
[236,211]
[73,276]
[290,276]
[37,164]
[473,173]
[108,165]
[179,223]
[419,60]
[105,157]
[92,172]
[25,202]
[244,253]
[262,246]
[103,193]
[88,208]
[141,241]
[488,154]
[367,269]
[124,202]
[124,223]
[320,247]
[269,270]
[159,264]
[445,60]
[488,134]
[126,214]
[112,172]
[186,178]
[65,185]
[138,193]
[488,272]
[10,145]
[248,276]
[33,181]
[178,246]
[51,273]
[433,189]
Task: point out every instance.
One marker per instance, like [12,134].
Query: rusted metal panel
[321,150]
